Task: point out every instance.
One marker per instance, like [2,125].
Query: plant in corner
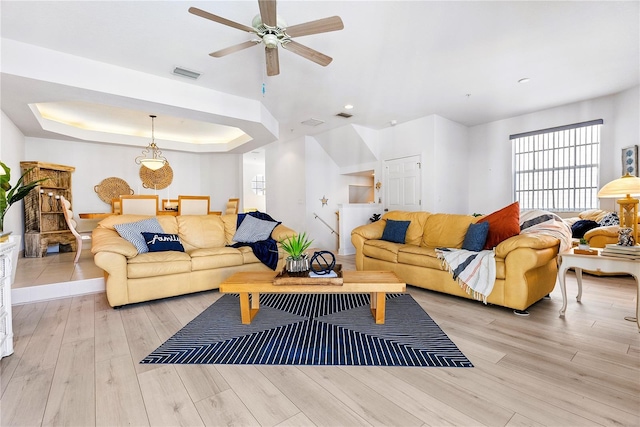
[11,194]
[295,246]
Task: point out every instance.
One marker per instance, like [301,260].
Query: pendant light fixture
[157,160]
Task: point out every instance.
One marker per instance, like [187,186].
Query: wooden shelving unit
[44,221]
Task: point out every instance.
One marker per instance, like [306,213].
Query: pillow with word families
[159,242]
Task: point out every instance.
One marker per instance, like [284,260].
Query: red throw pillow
[503,224]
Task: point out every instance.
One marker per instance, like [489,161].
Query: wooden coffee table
[377,283]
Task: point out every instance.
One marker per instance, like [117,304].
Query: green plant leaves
[296,245]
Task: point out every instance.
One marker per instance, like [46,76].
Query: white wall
[449,185]
[299,174]
[442,145]
[286,180]
[216,175]
[11,149]
[490,168]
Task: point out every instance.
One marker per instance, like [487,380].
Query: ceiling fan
[273,31]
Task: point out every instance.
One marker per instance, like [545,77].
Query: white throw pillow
[253,230]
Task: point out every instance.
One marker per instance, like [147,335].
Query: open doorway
[253,181]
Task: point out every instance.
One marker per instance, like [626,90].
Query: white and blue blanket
[545,222]
[474,271]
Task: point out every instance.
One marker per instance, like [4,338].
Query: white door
[403,186]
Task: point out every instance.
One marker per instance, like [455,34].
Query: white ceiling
[394,60]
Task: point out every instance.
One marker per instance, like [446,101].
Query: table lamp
[628,186]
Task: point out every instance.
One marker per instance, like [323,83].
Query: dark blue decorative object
[476,237]
[159,242]
[319,263]
[395,231]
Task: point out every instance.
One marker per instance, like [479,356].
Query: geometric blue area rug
[312,329]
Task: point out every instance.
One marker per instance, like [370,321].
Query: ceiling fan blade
[220,20]
[324,25]
[307,52]
[268,12]
[235,48]
[273,64]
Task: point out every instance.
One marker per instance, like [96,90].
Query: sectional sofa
[205,262]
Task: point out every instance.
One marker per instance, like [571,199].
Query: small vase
[298,266]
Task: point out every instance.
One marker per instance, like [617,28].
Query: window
[257,185]
[557,169]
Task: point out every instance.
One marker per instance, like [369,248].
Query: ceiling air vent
[345,115]
[183,72]
[312,122]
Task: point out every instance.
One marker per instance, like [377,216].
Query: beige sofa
[526,268]
[132,277]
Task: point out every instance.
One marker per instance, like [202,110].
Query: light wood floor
[56,268]
[76,363]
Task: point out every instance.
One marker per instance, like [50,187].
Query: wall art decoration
[630,160]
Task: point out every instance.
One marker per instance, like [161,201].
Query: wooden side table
[605,264]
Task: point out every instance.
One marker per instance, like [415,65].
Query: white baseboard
[31,294]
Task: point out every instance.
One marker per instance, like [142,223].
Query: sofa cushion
[593,214]
[415,229]
[420,256]
[201,231]
[476,236]
[503,224]
[132,231]
[153,264]
[381,249]
[446,230]
[253,230]
[210,258]
[395,231]
[160,242]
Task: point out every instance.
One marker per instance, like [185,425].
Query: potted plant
[11,194]
[583,244]
[295,247]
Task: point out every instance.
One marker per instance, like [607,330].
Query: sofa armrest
[281,232]
[361,234]
[528,240]
[371,231]
[600,236]
[106,240]
[608,231]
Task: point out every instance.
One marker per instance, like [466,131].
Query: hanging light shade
[152,157]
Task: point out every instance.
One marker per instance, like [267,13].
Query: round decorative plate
[112,188]
[156,179]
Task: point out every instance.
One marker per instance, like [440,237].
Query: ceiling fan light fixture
[270,41]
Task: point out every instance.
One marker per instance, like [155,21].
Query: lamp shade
[153,164]
[628,185]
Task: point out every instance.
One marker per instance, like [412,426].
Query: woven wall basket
[112,188]
[157,179]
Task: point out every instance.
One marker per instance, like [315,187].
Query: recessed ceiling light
[348,107]
[524,80]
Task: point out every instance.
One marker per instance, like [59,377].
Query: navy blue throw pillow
[395,231]
[580,227]
[159,242]
[476,237]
